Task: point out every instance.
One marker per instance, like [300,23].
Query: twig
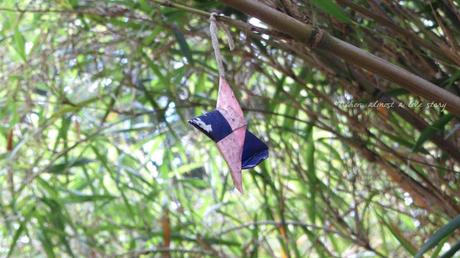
[137,253]
[304,33]
[276,223]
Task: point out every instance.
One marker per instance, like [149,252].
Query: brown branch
[137,253]
[396,29]
[322,40]
[278,223]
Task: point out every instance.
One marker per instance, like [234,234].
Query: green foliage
[435,128]
[437,237]
[19,44]
[330,7]
[97,158]
[405,243]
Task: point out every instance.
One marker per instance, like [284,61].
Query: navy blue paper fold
[254,151]
[215,126]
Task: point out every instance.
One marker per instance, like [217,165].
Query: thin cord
[231,43]
[215,44]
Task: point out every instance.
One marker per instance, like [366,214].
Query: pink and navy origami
[227,127]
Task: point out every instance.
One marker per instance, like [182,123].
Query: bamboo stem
[306,33]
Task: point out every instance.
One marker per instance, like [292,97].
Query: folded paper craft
[227,127]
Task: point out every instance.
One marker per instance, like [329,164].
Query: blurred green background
[97,160]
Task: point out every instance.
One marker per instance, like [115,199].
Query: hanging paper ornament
[227,127]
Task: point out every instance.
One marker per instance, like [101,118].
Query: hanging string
[215,44]
[231,43]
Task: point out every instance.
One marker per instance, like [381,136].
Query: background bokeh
[97,159]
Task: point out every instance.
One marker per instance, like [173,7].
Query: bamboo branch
[322,40]
[137,253]
[438,48]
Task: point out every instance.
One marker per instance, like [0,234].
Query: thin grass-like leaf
[436,238]
[432,130]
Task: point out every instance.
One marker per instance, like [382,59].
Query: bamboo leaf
[45,240]
[431,131]
[63,131]
[452,250]
[20,230]
[62,167]
[438,249]
[19,44]
[397,92]
[408,246]
[443,232]
[183,45]
[455,77]
[330,7]
[311,170]
[79,198]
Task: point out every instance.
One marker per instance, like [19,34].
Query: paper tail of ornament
[231,148]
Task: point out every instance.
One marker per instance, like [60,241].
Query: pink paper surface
[229,106]
[231,147]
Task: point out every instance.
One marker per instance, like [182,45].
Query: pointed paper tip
[239,187]
[237,180]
